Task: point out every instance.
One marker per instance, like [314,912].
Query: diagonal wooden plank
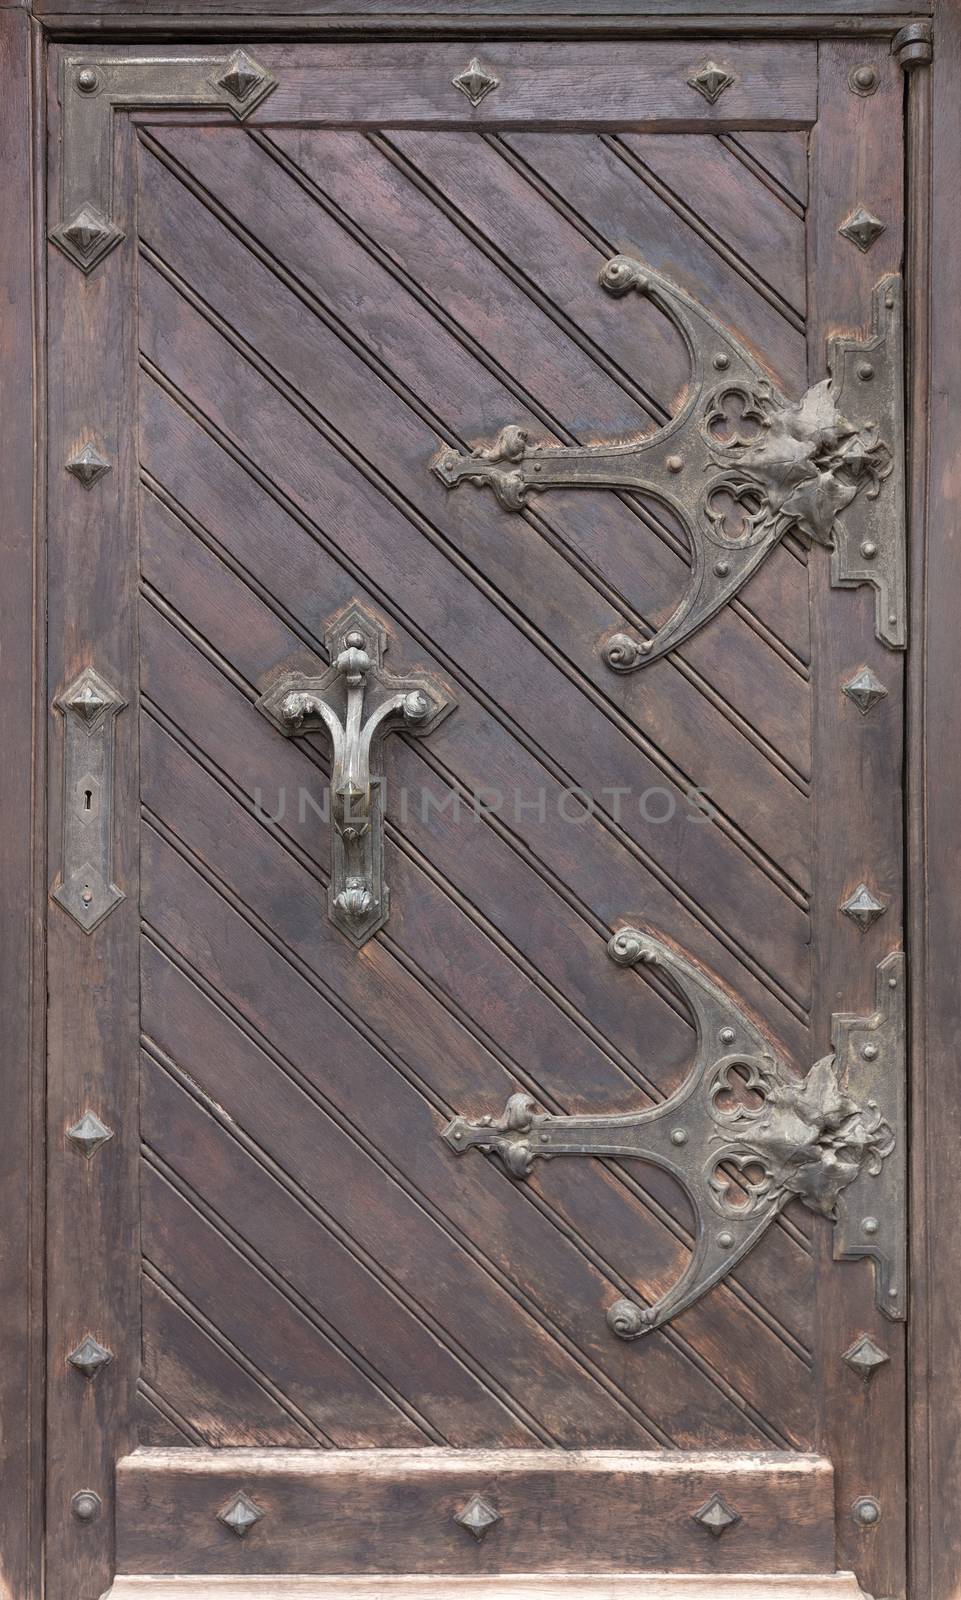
[216,1396]
[547,954]
[273,887]
[710,182]
[323,1380]
[490,1209]
[425,357]
[498,321]
[475,746]
[673,721]
[525,1366]
[783,155]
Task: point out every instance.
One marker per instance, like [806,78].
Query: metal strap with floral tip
[744,1135]
[741,465]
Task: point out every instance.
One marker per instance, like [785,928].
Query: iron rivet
[87,80]
[892,983]
[889,300]
[86,1505]
[722,361]
[866,1511]
[869,1225]
[869,1052]
[355,641]
[722,568]
[679,1136]
[727,1036]
[725,1240]
[863,80]
[865,372]
[869,549]
[675,463]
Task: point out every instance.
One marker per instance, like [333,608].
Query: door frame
[933,262]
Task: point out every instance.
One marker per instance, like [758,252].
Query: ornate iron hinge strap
[741,465]
[91,89]
[356,701]
[744,1135]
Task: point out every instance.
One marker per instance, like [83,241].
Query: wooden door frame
[934,667]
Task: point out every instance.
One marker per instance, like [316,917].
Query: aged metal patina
[745,1135]
[356,701]
[86,890]
[741,465]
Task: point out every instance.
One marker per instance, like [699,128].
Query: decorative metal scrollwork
[741,465]
[356,701]
[744,1135]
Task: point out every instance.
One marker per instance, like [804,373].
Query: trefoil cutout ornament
[741,464]
[745,1134]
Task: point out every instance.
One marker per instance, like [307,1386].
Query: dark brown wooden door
[279,1251]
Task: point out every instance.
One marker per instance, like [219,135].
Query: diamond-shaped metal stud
[241,1514]
[864,689]
[88,466]
[711,81]
[475,81]
[87,237]
[89,697]
[89,1134]
[89,1357]
[716,1515]
[863,907]
[862,228]
[477,1516]
[245,83]
[864,1357]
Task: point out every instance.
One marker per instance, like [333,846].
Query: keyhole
[88,799]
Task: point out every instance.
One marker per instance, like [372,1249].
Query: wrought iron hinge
[744,1135]
[356,702]
[741,465]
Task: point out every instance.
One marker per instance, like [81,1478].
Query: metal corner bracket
[744,1135]
[741,465]
[92,88]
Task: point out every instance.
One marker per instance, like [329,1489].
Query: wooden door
[295,1332]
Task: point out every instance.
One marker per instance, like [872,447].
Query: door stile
[935,837]
[93,1015]
[858,761]
[21,806]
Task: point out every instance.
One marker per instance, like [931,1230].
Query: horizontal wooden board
[368,1511]
[710,12]
[517,1586]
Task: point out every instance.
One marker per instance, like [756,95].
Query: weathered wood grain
[21,850]
[594,1511]
[856,150]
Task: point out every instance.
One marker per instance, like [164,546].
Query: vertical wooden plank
[21,778]
[856,158]
[935,836]
[93,989]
